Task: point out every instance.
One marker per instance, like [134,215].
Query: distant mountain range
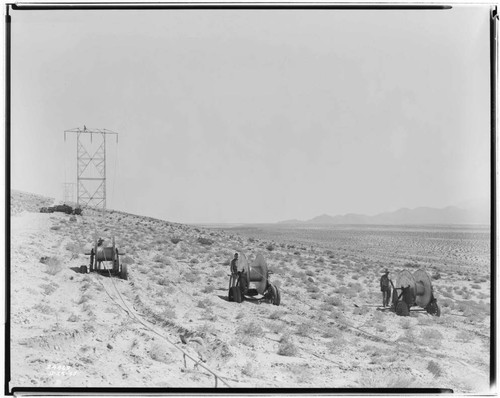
[419,215]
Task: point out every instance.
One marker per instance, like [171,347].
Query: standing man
[385,288]
[234,264]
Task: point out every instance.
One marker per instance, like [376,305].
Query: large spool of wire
[423,288]
[258,273]
[420,287]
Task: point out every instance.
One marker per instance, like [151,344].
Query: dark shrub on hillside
[205,241]
[270,248]
[175,240]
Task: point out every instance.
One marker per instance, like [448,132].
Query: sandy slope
[71,329]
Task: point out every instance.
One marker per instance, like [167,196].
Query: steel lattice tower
[91,169]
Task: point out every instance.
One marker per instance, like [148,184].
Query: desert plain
[70,329]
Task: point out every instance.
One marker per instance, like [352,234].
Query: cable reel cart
[100,254]
[252,280]
[414,290]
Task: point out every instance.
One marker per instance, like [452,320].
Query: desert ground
[70,329]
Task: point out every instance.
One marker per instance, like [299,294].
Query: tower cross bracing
[91,169]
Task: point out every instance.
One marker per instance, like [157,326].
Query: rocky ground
[71,329]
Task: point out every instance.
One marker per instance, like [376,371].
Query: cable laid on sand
[185,354]
[135,316]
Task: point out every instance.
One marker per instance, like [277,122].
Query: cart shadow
[247,299]
[102,272]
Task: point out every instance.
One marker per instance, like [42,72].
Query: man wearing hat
[385,283]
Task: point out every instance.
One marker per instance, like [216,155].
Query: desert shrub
[270,247]
[338,316]
[333,332]
[312,288]
[463,336]
[170,289]
[466,295]
[220,273]
[385,379]
[341,289]
[43,308]
[407,336]
[338,341]
[166,315]
[462,307]
[175,240]
[73,318]
[73,247]
[426,320]
[316,296]
[275,327]
[405,323]
[361,310]
[446,303]
[336,301]
[55,227]
[205,241]
[287,347]
[378,316]
[304,329]
[159,258]
[192,277]
[431,335]
[163,281]
[436,276]
[48,288]
[84,298]
[355,287]
[434,368]
[209,314]
[248,369]
[127,260]
[250,329]
[159,352]
[277,314]
[54,265]
[208,289]
[240,315]
[194,261]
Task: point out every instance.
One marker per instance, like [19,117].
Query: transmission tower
[91,169]
[69,192]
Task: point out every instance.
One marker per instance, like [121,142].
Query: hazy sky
[257,116]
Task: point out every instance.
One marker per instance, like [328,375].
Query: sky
[253,116]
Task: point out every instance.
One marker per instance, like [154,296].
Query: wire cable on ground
[133,315]
[185,354]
